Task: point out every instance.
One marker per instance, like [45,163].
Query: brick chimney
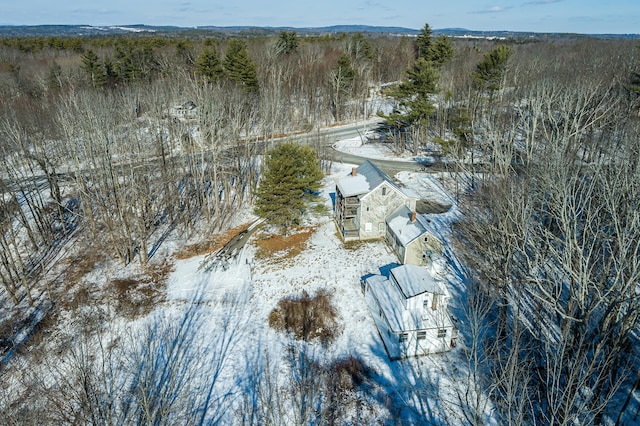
[354,171]
[413,216]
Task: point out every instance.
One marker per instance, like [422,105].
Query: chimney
[413,216]
[353,171]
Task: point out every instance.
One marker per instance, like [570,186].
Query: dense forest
[111,144]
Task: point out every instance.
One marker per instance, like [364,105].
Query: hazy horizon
[558,16]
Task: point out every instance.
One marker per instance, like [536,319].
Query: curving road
[329,136]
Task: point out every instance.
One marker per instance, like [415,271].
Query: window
[422,335]
[367,208]
[367,227]
[403,337]
[425,304]
[442,332]
[384,190]
[381,227]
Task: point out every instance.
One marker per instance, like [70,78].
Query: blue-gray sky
[580,16]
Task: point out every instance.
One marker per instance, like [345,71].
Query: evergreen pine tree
[291,176]
[239,66]
[489,72]
[287,43]
[414,95]
[360,48]
[441,50]
[91,65]
[208,65]
[55,76]
[342,78]
[423,42]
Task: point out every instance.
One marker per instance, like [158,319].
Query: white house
[185,110]
[410,311]
[364,200]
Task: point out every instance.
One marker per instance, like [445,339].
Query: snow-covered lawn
[221,320]
[415,387]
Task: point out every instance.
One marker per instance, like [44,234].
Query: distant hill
[89,30]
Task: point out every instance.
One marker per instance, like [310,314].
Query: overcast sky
[580,16]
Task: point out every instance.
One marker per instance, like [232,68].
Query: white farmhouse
[410,311]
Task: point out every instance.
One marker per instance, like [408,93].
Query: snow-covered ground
[416,387]
[371,149]
[228,313]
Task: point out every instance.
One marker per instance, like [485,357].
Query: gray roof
[401,226]
[398,317]
[406,231]
[414,280]
[368,177]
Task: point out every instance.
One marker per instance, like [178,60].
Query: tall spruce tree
[423,42]
[91,65]
[440,51]
[287,43]
[414,95]
[342,78]
[291,176]
[239,66]
[208,65]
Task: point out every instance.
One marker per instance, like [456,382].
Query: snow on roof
[401,226]
[350,186]
[368,177]
[393,307]
[414,280]
[389,299]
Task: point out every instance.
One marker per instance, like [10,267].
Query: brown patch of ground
[283,246]
[137,295]
[209,245]
[431,207]
[356,244]
[81,264]
[349,373]
[307,317]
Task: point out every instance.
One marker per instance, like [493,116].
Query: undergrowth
[307,317]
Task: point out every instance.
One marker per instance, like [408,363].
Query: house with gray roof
[412,237]
[409,307]
[364,200]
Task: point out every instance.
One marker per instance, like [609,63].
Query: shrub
[349,373]
[306,317]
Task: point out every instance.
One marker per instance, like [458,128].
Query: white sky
[580,16]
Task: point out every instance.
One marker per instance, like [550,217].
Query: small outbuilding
[412,237]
